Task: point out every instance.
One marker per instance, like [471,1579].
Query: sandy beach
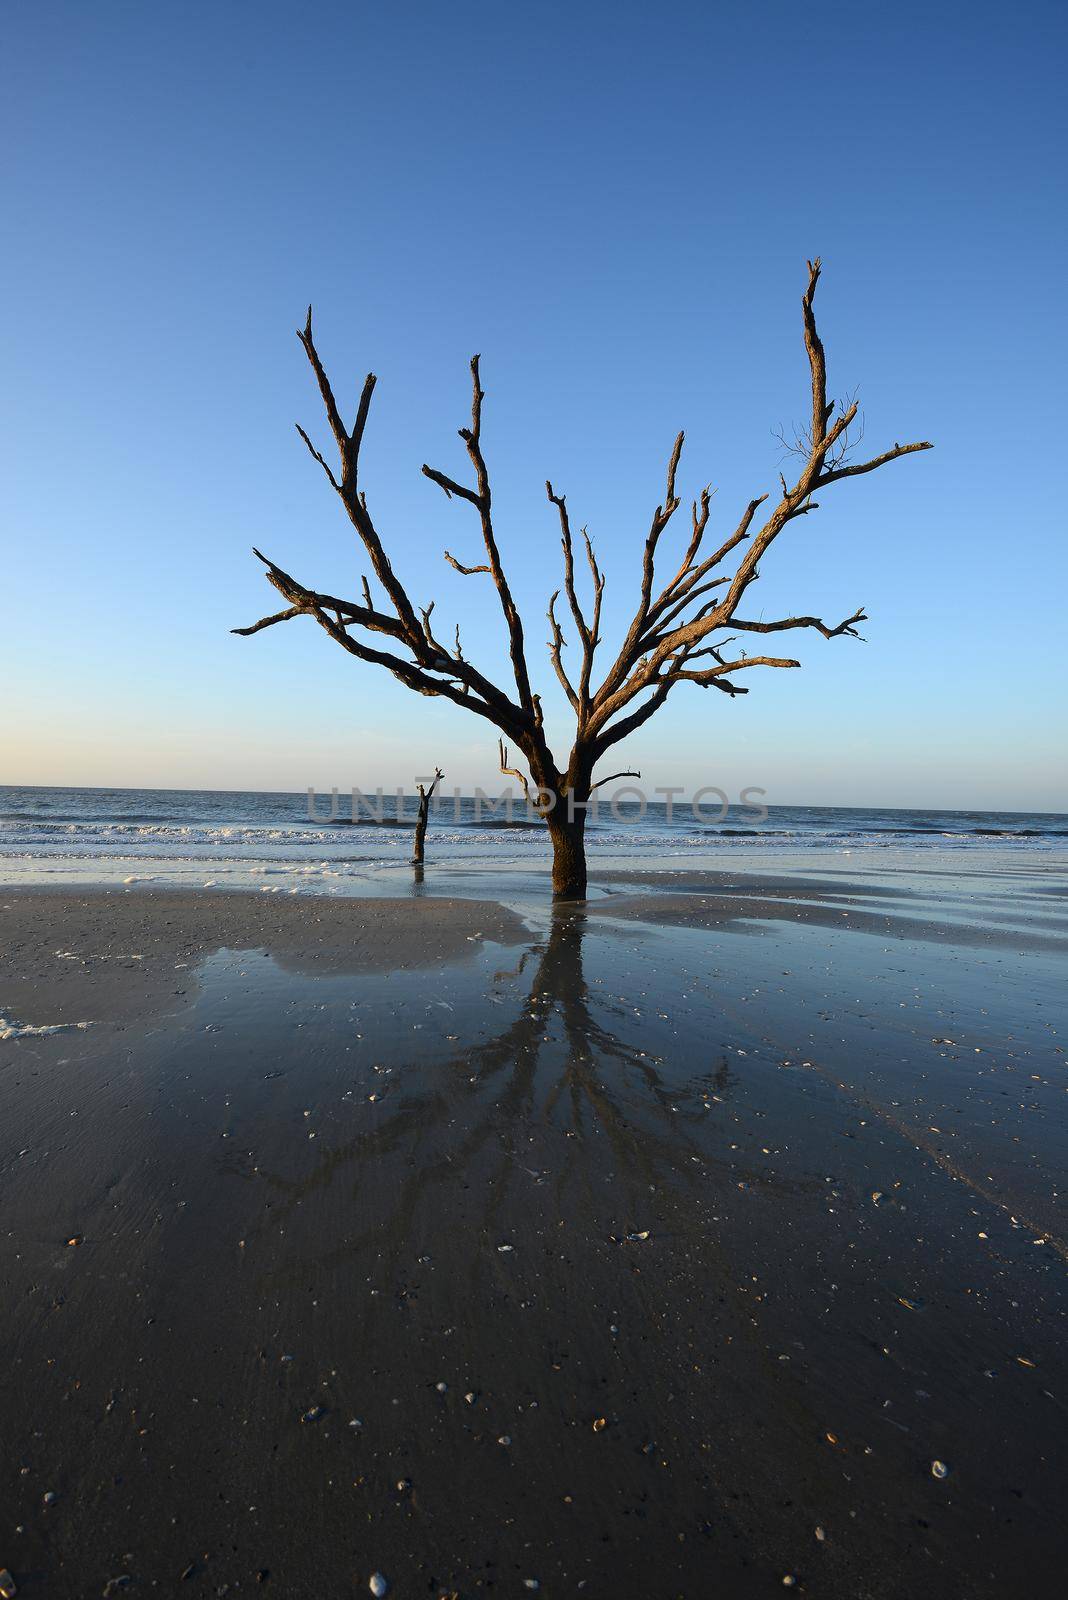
[673,1246]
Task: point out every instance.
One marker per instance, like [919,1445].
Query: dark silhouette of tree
[425,796]
[679,632]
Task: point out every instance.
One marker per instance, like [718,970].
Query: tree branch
[612,734]
[816,358]
[306,599]
[269,622]
[468,572]
[511,772]
[354,502]
[710,674]
[451,487]
[428,794]
[556,646]
[589,633]
[560,502]
[878,461]
[805,622]
[324,464]
[333,415]
[481,498]
[612,778]
[636,670]
[661,517]
[431,656]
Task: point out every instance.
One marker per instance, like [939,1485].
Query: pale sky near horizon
[614,206]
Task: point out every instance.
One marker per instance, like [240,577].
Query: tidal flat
[707,1238]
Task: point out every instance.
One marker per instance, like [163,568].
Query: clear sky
[613,204]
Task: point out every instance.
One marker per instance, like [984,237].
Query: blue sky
[614,206]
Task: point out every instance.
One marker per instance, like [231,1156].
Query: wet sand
[130,954]
[657,1249]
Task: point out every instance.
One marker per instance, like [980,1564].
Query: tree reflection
[560,1040]
[559,1094]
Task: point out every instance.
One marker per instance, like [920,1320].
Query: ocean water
[231,829]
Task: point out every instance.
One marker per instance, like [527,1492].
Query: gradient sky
[614,205]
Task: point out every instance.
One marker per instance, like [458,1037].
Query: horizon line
[777,805]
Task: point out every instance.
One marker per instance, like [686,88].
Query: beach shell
[378,1584]
[939,1469]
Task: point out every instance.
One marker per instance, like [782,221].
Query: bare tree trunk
[569,855]
[420,829]
[421,820]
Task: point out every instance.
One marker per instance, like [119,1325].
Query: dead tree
[425,797]
[681,631]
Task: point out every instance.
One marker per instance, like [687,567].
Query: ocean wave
[53,820]
[257,828]
[14,829]
[752,833]
[516,822]
[372,822]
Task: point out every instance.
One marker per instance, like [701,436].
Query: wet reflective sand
[625,1250]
